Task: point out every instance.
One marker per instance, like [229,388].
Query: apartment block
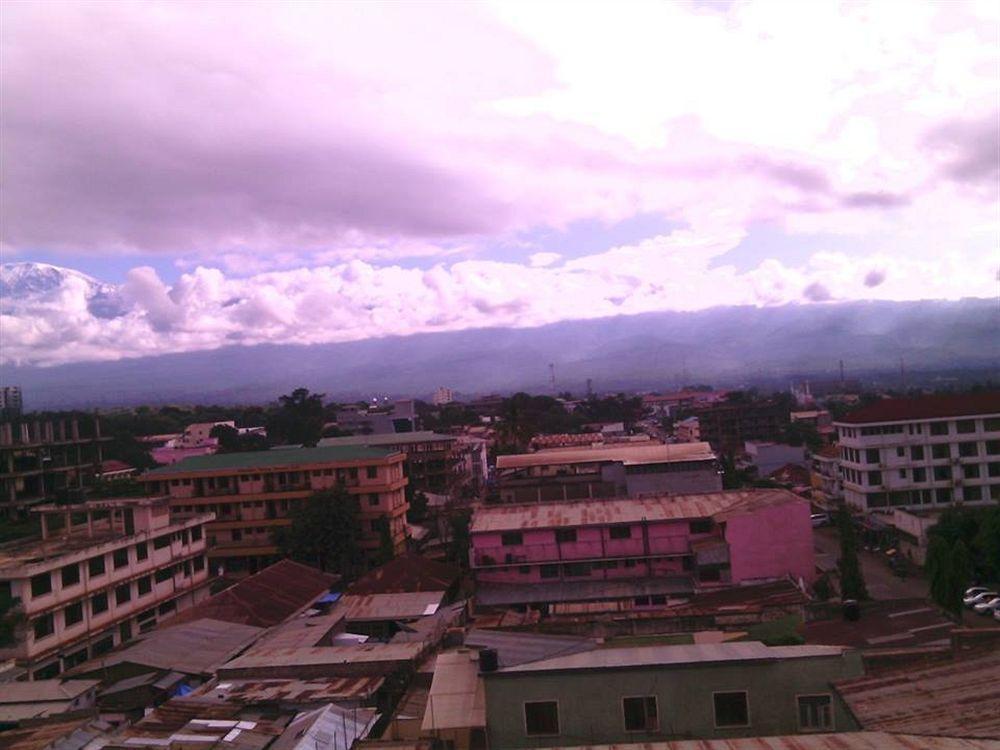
[727,426]
[101,572]
[632,694]
[921,452]
[607,470]
[41,460]
[434,462]
[252,493]
[699,541]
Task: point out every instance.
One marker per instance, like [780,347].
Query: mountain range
[725,344]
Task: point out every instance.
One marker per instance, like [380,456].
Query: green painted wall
[590,710]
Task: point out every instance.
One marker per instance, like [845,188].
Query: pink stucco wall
[766,543]
[772,542]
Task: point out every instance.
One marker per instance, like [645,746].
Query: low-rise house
[23,701]
[824,474]
[114,470]
[687,431]
[696,541]
[101,573]
[251,493]
[607,470]
[645,693]
[455,714]
[316,662]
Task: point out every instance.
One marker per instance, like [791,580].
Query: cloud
[816,292]
[874,278]
[540,260]
[969,149]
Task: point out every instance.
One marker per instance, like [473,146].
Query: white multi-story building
[920,452]
[443,396]
[102,572]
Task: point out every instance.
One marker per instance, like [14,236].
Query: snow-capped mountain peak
[25,281]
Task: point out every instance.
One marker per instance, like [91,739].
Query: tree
[299,418]
[458,549]
[803,433]
[324,532]
[418,507]
[386,549]
[852,582]
[11,619]
[987,543]
[231,441]
[961,574]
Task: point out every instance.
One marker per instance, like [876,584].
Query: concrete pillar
[90,523]
[68,520]
[45,525]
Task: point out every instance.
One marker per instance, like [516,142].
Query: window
[41,584]
[993,469]
[943,496]
[43,626]
[199,564]
[99,603]
[965,426]
[620,532]
[920,474]
[376,524]
[993,447]
[900,452]
[237,535]
[565,536]
[73,614]
[991,424]
[815,713]
[917,452]
[972,494]
[541,718]
[144,585]
[701,526]
[939,428]
[640,714]
[166,608]
[371,472]
[511,539]
[874,477]
[942,450]
[731,709]
[70,575]
[164,574]
[196,531]
[968,450]
[576,569]
[119,558]
[902,473]
[164,541]
[550,571]
[142,551]
[373,499]
[871,456]
[941,473]
[123,593]
[971,471]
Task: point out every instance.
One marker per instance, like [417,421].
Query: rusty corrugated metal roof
[840,741]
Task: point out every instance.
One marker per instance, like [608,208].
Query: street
[882,583]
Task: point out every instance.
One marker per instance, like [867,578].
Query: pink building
[705,540]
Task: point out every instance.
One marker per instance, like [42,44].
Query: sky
[306,172]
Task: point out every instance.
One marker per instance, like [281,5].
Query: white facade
[443,396]
[921,462]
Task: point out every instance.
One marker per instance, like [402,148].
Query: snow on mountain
[25,283]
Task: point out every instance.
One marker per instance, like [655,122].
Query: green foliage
[324,532]
[231,441]
[11,617]
[732,477]
[803,433]
[444,418]
[417,511]
[963,546]
[386,549]
[618,408]
[458,548]
[299,419]
[823,588]
[852,582]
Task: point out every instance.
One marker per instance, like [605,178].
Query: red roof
[115,465]
[407,573]
[264,599]
[926,407]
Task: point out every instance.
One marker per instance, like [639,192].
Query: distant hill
[640,351]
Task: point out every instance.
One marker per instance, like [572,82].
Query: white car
[985,596]
[988,607]
[996,614]
[820,519]
[973,590]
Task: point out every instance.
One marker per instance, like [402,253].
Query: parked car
[820,519]
[996,614]
[974,590]
[988,607]
[984,596]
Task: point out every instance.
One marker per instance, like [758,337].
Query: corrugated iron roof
[293,691]
[408,572]
[44,690]
[638,656]
[264,599]
[291,458]
[457,699]
[520,648]
[626,453]
[840,741]
[925,407]
[625,510]
[960,698]
[402,606]
[361,653]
